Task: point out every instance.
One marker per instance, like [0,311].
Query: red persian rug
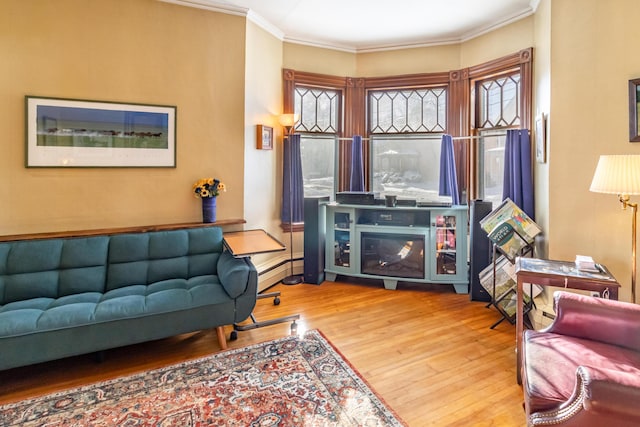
[293,381]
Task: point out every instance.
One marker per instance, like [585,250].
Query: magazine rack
[506,302]
[512,233]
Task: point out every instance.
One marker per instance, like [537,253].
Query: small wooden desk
[250,242]
[562,274]
[243,244]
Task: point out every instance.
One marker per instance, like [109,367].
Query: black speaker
[314,232]
[481,249]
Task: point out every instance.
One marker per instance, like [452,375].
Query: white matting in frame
[79,133]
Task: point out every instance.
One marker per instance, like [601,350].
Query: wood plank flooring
[428,352]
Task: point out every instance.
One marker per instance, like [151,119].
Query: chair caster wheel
[276,301]
[233,336]
[294,328]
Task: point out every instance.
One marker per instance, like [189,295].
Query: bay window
[402,118]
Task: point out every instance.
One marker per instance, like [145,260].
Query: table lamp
[620,174]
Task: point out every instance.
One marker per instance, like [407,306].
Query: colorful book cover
[510,228]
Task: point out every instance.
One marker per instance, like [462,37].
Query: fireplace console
[412,244]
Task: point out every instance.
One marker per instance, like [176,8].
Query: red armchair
[584,369]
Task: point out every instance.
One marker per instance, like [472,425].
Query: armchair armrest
[601,397]
[598,319]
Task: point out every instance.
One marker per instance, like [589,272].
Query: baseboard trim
[272,271]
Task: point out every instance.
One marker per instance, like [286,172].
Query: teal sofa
[61,297]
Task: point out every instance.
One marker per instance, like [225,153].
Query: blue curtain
[518,179]
[292,185]
[448,178]
[356,181]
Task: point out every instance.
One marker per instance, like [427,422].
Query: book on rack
[501,285]
[510,228]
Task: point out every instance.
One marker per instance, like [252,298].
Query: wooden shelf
[119,230]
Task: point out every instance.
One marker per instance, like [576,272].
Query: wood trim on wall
[459,123]
[119,230]
[526,83]
[408,80]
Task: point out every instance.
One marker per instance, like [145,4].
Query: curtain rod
[455,138]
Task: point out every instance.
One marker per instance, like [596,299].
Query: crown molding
[212,6]
[495,26]
[265,25]
[437,42]
[215,6]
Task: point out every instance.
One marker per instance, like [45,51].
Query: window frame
[520,62]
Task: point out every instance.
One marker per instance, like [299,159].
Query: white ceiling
[367,25]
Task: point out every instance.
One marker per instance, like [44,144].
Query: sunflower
[208,187]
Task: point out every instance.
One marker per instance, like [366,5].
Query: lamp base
[292,280]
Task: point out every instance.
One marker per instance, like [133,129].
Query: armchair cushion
[552,361]
[584,369]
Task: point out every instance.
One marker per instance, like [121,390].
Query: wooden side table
[562,274]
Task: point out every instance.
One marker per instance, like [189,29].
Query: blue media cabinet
[409,244]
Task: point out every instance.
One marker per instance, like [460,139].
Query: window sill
[296,226]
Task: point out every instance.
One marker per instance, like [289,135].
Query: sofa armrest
[234,274]
[597,319]
[601,397]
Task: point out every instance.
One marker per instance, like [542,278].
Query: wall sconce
[620,174]
[288,121]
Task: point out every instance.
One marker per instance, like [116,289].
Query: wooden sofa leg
[222,339]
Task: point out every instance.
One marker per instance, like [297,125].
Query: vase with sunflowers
[208,189]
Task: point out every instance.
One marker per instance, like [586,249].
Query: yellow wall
[542,105]
[592,60]
[318,60]
[263,168]
[409,61]
[141,51]
[499,42]
[263,105]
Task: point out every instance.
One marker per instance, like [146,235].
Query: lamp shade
[617,174]
[288,120]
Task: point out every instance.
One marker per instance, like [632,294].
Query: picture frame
[62,132]
[264,137]
[541,138]
[634,103]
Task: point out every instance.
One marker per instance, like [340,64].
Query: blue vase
[209,209]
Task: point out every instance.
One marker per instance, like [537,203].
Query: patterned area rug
[286,382]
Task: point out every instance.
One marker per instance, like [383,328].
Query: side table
[563,274]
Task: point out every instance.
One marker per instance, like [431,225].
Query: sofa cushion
[145,258]
[552,361]
[52,268]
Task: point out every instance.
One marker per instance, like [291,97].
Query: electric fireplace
[391,254]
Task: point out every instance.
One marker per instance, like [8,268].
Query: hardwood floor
[428,352]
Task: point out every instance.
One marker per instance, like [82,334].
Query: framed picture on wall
[634,111]
[264,137]
[79,133]
[541,138]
